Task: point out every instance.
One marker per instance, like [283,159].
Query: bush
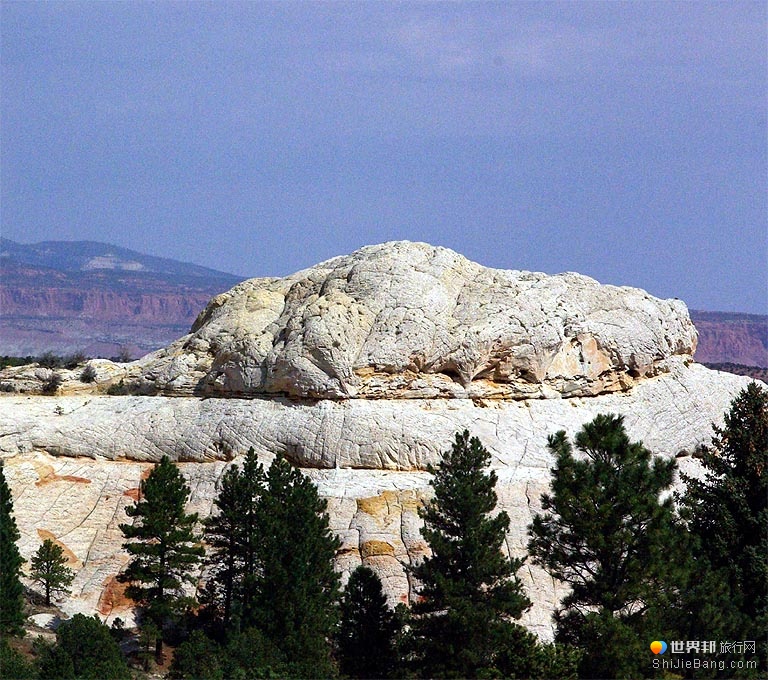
[88,374]
[50,360]
[74,360]
[51,386]
[13,664]
[118,389]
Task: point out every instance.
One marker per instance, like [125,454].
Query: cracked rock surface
[410,320]
[360,371]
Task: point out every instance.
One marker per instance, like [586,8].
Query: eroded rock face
[360,371]
[671,413]
[411,320]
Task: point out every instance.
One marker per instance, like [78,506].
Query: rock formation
[360,370]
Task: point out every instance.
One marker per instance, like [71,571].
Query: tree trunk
[159,649]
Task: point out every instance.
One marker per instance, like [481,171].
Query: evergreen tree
[297,589]
[469,589]
[727,513]
[11,590]
[84,650]
[13,665]
[606,533]
[232,534]
[49,568]
[165,549]
[368,629]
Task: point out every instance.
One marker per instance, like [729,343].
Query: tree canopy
[84,650]
[368,629]
[727,514]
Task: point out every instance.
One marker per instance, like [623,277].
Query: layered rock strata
[360,370]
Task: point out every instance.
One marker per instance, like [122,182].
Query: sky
[624,140]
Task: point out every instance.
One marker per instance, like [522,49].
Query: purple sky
[626,141]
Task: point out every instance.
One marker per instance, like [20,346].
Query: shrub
[88,374]
[50,360]
[74,360]
[51,386]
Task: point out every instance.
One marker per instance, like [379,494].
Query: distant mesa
[83,296]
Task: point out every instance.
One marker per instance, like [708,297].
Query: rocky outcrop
[408,320]
[359,371]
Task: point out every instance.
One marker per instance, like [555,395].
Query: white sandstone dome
[411,320]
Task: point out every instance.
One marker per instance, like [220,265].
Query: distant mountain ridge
[84,256]
[69,296]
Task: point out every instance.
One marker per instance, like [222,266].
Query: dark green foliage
[521,655]
[297,589]
[245,655]
[164,550]
[727,514]
[46,360]
[606,533]
[232,534]
[469,589]
[49,568]
[368,630]
[13,665]
[84,649]
[272,563]
[7,360]
[197,658]
[11,590]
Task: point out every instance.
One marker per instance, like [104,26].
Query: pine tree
[727,513]
[297,589]
[469,590]
[368,628]
[49,568]
[232,534]
[606,533]
[11,590]
[165,549]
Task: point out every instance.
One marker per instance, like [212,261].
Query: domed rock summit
[359,370]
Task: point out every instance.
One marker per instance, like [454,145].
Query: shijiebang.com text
[712,664]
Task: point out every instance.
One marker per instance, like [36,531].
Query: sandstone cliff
[360,370]
[732,338]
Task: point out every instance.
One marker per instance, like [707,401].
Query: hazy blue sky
[626,141]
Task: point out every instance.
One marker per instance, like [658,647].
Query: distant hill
[70,296]
[97,298]
[93,256]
